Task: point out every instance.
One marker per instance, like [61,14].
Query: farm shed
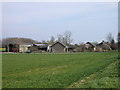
[42,47]
[38,47]
[60,47]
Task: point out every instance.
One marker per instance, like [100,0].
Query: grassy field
[57,70]
[105,78]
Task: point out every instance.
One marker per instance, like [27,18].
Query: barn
[38,48]
[60,47]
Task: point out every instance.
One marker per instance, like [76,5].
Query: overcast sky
[39,21]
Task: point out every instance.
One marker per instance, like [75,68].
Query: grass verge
[105,78]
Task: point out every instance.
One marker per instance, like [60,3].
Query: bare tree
[110,38]
[67,36]
[111,41]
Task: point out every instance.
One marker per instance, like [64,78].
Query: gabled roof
[69,46]
[101,43]
[60,43]
[90,44]
[41,45]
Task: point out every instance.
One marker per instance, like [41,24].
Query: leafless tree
[67,36]
[110,38]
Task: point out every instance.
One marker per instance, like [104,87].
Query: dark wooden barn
[61,48]
[38,47]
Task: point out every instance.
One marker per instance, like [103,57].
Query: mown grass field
[57,70]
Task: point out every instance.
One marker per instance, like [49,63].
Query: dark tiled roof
[58,42]
[41,45]
[90,44]
[66,46]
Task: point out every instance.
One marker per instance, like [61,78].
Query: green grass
[51,70]
[105,78]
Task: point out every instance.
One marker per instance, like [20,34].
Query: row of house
[103,46]
[57,47]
